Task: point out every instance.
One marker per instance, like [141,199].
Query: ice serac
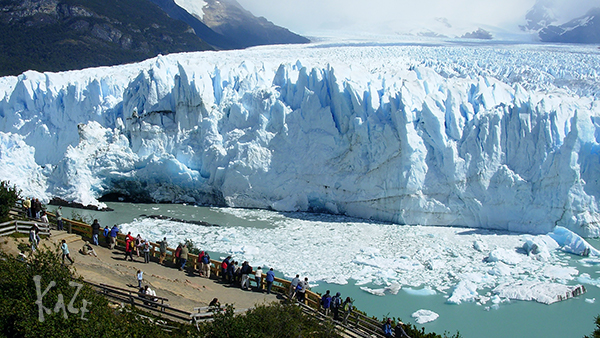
[377,132]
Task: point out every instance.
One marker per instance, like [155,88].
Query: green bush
[31,307]
[8,197]
[596,333]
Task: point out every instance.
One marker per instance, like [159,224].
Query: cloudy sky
[307,16]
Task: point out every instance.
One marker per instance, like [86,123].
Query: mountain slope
[585,29]
[56,35]
[206,33]
[229,19]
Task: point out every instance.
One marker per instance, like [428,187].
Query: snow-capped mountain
[490,137]
[585,29]
[226,24]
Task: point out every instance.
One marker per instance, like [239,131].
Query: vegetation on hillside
[88,33]
[8,197]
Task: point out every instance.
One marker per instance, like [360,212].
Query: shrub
[8,197]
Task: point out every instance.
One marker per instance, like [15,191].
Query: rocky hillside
[56,35]
[226,24]
[585,29]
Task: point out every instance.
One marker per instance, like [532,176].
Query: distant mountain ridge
[59,35]
[585,29]
[232,26]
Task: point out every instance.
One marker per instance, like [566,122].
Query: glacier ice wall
[501,137]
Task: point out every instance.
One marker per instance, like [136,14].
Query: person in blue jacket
[326,302]
[269,279]
[387,328]
[113,236]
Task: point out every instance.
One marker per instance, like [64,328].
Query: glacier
[495,136]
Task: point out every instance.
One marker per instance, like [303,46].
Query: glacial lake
[570,318]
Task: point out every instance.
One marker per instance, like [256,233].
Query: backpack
[131,245]
[337,301]
[224,265]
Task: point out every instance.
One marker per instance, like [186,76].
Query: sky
[455,16]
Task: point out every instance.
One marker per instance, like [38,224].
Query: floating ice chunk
[585,278]
[539,247]
[559,272]
[480,246]
[424,316]
[393,289]
[500,269]
[464,291]
[572,243]
[590,300]
[426,291]
[542,292]
[506,256]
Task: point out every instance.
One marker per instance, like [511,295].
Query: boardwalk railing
[23,227]
[356,321]
[132,298]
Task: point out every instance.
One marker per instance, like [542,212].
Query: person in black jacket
[95,231]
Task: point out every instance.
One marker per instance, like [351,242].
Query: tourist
[44,217]
[150,294]
[163,250]
[65,252]
[270,278]
[183,256]
[34,237]
[87,249]
[237,274]
[302,287]
[293,286]
[139,243]
[140,277]
[177,254]
[399,330]
[59,220]
[206,265]
[224,265]
[336,304]
[36,206]
[230,271]
[129,244]
[106,233]
[387,328]
[147,251]
[246,270]
[95,231]
[27,207]
[258,278]
[326,303]
[113,236]
[347,309]
[215,303]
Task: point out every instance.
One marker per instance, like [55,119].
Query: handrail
[136,300]
[23,227]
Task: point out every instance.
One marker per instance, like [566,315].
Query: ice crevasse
[372,132]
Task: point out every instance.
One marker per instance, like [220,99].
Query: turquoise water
[570,318]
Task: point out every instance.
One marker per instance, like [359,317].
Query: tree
[8,197]
[596,333]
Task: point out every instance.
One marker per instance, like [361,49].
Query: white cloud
[403,15]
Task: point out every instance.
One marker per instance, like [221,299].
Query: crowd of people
[231,271]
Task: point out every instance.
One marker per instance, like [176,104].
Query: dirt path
[184,289]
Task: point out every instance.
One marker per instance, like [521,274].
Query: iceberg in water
[501,138]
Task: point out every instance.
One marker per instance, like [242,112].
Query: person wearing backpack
[129,249]
[347,309]
[206,264]
[302,287]
[336,303]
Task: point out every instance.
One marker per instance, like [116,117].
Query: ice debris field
[464,264]
[491,136]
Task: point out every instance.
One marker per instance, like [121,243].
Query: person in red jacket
[129,248]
